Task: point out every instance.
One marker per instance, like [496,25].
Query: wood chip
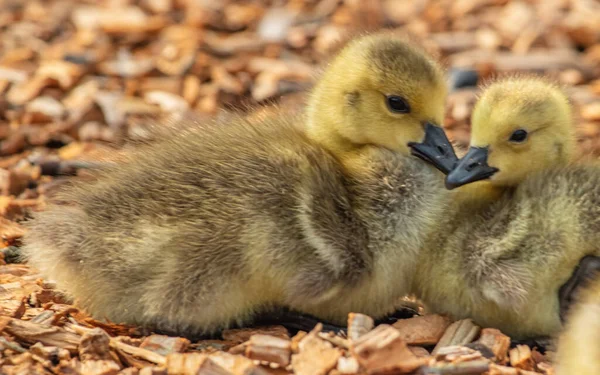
[520,357]
[422,330]
[347,365]
[244,334]
[591,112]
[315,356]
[497,342]
[458,333]
[236,364]
[270,349]
[189,363]
[95,345]
[32,333]
[502,370]
[358,325]
[165,345]
[382,350]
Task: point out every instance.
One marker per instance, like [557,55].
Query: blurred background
[78,77]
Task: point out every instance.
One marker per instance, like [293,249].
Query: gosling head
[380,91]
[520,125]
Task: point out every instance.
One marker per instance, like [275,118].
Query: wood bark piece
[497,342]
[546,368]
[236,364]
[458,333]
[359,325]
[336,340]
[502,370]
[419,351]
[95,345]
[153,371]
[382,350]
[315,356]
[520,357]
[422,330]
[99,367]
[147,355]
[10,231]
[535,61]
[50,353]
[244,334]
[48,335]
[270,349]
[461,368]
[188,363]
[127,19]
[591,111]
[165,345]
[347,365]
[457,354]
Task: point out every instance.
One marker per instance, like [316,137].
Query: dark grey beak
[588,268]
[435,149]
[472,167]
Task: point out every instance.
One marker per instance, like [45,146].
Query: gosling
[322,213]
[504,261]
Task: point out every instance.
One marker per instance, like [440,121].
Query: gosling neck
[324,119]
[478,194]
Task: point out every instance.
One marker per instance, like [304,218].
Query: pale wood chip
[185,363]
[236,364]
[23,92]
[168,102]
[358,325]
[520,357]
[422,330]
[165,345]
[419,351]
[244,334]
[347,365]
[315,356]
[591,112]
[95,345]
[458,333]
[502,370]
[382,350]
[498,343]
[47,335]
[269,348]
[128,19]
[98,367]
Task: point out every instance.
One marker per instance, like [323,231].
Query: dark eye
[518,136]
[397,104]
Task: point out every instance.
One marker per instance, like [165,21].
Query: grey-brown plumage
[323,213]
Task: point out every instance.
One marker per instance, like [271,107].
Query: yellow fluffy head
[380,90]
[526,125]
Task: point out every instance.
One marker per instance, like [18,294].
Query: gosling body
[323,213]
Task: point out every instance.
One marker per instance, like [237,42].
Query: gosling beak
[435,149]
[472,167]
[588,268]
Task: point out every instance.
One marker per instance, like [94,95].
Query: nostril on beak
[472,166]
[442,150]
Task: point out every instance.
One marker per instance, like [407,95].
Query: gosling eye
[518,136]
[397,104]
